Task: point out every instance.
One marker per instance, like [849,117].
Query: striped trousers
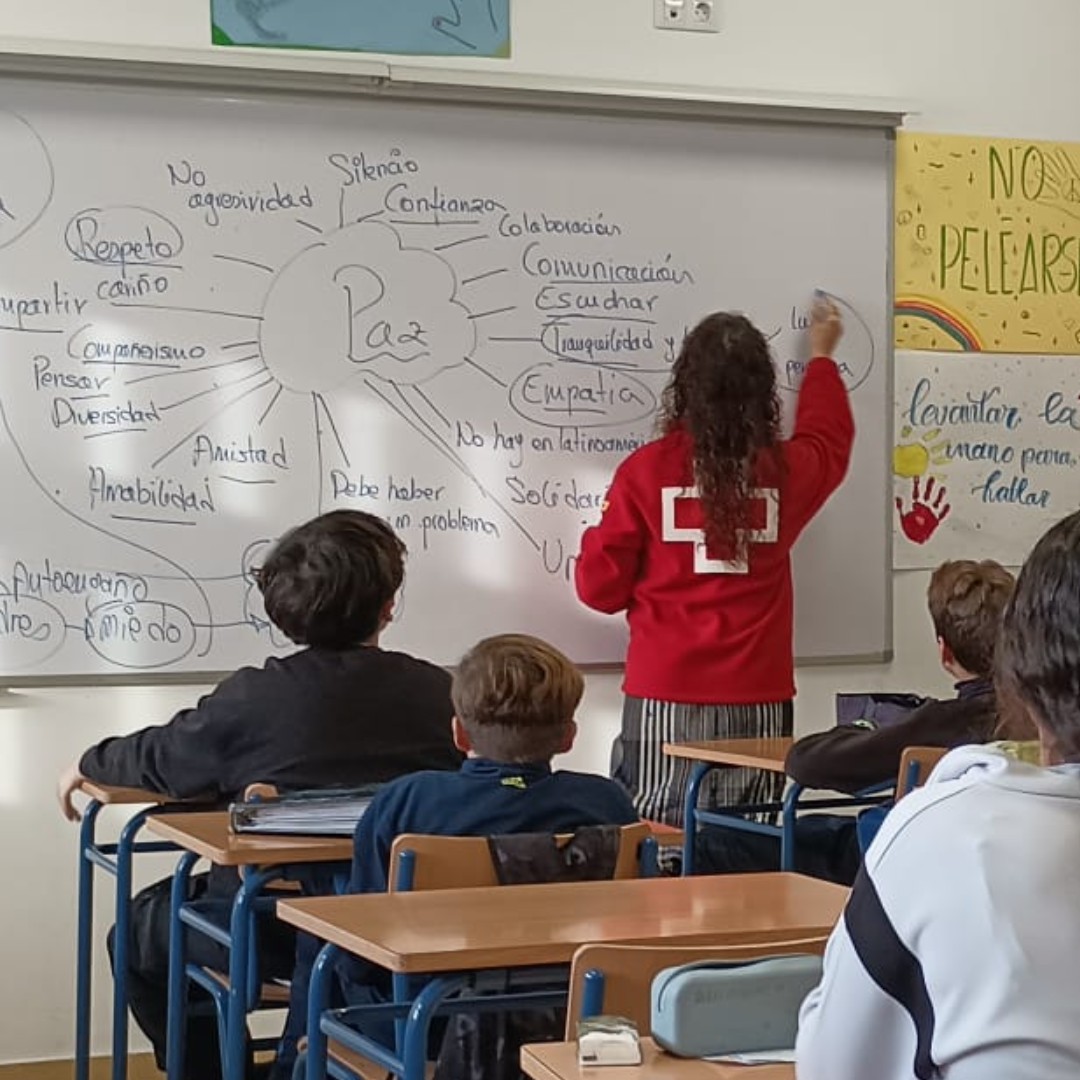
[657,783]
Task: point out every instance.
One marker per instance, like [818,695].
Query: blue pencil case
[711,1008]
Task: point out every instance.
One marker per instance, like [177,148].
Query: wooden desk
[471,929]
[122,796]
[767,754]
[450,933]
[558,1061]
[207,833]
[262,858]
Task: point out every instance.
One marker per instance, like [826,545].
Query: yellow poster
[987,245]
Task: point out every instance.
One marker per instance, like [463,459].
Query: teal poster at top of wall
[417,27]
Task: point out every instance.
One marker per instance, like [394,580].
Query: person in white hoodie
[958,955]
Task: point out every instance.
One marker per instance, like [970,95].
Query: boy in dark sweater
[338,713]
[967,601]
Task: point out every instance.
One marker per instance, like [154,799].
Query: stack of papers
[310,813]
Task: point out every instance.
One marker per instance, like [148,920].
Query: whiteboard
[220,317]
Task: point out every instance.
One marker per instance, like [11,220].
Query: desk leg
[122,942]
[788,822]
[418,1025]
[177,1018]
[84,949]
[697,775]
[242,979]
[322,975]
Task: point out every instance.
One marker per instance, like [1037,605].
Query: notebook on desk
[333,812]
[875,710]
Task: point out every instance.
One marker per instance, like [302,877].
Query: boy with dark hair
[966,601]
[338,713]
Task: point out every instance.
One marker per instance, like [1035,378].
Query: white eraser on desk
[608,1040]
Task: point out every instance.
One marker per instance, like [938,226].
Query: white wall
[976,66]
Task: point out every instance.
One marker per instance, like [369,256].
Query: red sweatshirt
[705,629]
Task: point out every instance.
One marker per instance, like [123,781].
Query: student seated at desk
[966,600]
[337,713]
[956,957]
[514,703]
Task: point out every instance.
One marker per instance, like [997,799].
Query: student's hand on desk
[66,786]
[826,327]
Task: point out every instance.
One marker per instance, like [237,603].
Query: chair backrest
[419,862]
[916,764]
[616,980]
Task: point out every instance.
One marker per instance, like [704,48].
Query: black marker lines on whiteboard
[320,400]
[190,310]
[195,370]
[245,262]
[213,389]
[26,191]
[216,413]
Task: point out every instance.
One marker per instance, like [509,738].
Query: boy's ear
[945,654]
[568,739]
[386,616]
[461,736]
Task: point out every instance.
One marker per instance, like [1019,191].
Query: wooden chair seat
[270,993]
[362,1066]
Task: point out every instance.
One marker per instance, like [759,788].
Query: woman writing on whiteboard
[694,544]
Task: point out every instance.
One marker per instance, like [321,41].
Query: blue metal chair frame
[114,859]
[413,1013]
[232,1004]
[418,1000]
[735,817]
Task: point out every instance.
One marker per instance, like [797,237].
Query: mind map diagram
[195,367]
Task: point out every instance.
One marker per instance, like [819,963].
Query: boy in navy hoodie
[514,702]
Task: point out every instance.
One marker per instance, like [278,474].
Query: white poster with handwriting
[985,457]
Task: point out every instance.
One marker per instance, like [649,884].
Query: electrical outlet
[701,15]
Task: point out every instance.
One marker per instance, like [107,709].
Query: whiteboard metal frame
[300,72]
[295,75]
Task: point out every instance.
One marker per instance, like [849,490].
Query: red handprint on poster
[928,510]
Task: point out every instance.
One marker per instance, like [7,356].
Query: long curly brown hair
[723,393]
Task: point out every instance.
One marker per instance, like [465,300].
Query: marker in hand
[826,324]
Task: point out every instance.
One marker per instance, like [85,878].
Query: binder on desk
[333,812]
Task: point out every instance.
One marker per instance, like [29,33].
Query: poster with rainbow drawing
[987,245]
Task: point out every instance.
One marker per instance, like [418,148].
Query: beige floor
[140,1067]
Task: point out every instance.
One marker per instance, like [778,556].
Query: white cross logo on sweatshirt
[703,563]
